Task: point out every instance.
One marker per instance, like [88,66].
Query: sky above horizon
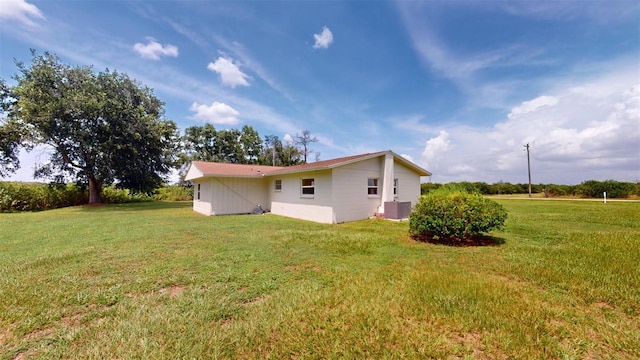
[458,87]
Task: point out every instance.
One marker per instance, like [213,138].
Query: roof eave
[295,171]
[260,176]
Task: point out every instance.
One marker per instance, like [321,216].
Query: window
[395,187]
[198,191]
[278,185]
[372,186]
[307,187]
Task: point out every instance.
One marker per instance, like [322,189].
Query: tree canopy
[102,128]
[205,143]
[245,146]
[277,153]
[105,128]
[10,134]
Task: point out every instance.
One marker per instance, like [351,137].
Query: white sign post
[605,197]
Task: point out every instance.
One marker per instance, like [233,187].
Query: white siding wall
[289,201]
[202,205]
[408,184]
[237,195]
[340,194]
[351,201]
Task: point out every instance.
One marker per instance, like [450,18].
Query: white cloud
[458,66]
[435,148]
[324,39]
[584,130]
[153,49]
[533,105]
[250,63]
[217,113]
[21,11]
[230,73]
[414,123]
[408,157]
[287,139]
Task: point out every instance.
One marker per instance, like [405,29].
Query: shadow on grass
[142,205]
[478,240]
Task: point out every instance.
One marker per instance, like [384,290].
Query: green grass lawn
[155,280]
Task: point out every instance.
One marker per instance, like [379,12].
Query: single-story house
[330,191]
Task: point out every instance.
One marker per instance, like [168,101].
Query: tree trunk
[95,189]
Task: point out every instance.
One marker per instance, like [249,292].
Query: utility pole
[528,167]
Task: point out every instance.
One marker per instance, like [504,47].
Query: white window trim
[198,193]
[313,186]
[377,187]
[275,185]
[395,187]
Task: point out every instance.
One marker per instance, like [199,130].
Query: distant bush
[114,195]
[15,196]
[553,190]
[498,188]
[587,189]
[19,196]
[614,189]
[455,216]
[174,193]
[425,188]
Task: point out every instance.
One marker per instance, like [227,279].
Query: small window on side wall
[198,191]
[307,188]
[395,187]
[372,186]
[278,185]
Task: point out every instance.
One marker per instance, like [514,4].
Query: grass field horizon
[155,280]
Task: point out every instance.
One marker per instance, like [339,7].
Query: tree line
[242,146]
[586,189]
[104,128]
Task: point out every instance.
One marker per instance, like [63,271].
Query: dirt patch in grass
[173,291]
[470,341]
[6,334]
[39,334]
[20,355]
[253,301]
[302,267]
[225,323]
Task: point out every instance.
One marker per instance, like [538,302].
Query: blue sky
[458,87]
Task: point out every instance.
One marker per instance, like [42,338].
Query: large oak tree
[10,134]
[103,128]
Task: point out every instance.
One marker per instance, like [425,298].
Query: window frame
[304,188]
[395,187]
[376,186]
[277,185]
[198,192]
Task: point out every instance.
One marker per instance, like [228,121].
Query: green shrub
[17,196]
[174,193]
[613,188]
[455,216]
[114,195]
[425,188]
[553,190]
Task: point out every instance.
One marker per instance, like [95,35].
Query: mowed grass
[155,280]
